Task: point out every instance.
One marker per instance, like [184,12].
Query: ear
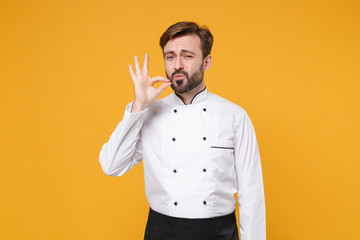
[207,62]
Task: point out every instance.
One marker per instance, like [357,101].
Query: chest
[189,133]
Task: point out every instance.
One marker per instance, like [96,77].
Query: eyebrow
[182,50]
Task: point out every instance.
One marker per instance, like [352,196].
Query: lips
[179,77]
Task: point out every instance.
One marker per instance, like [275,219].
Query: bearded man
[198,149]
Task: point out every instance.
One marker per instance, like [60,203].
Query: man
[198,148]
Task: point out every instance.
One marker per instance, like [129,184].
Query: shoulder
[225,105]
[160,105]
[165,99]
[229,111]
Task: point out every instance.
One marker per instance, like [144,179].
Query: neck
[189,96]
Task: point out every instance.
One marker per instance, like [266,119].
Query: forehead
[189,42]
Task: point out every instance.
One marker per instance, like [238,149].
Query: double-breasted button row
[174,139]
[175,110]
[176,203]
[175,170]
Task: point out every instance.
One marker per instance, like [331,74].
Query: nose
[178,63]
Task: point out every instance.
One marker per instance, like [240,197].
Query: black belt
[162,227]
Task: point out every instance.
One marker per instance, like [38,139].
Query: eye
[169,57]
[188,56]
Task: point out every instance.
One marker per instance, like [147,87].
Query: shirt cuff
[128,110]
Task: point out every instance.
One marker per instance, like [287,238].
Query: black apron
[162,227]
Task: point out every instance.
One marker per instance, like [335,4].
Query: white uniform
[196,157]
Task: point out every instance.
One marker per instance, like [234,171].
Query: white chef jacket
[196,157]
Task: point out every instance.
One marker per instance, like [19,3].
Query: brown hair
[185,28]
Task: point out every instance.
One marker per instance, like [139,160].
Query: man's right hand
[145,92]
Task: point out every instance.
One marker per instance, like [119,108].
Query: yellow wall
[293,65]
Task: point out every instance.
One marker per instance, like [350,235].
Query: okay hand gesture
[145,92]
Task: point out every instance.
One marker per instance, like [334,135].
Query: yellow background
[293,65]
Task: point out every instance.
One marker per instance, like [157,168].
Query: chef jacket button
[204,138]
[175,111]
[204,170]
[204,202]
[175,203]
[173,139]
[204,109]
[174,171]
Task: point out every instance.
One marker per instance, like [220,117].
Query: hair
[184,28]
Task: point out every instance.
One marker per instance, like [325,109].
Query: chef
[199,149]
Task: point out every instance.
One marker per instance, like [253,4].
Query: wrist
[136,107]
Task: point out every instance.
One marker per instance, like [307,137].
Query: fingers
[146,65]
[162,87]
[133,77]
[137,66]
[159,79]
[143,76]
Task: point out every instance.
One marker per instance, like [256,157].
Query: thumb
[162,87]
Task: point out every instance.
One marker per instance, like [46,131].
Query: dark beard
[192,81]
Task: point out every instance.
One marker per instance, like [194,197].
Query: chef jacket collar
[199,97]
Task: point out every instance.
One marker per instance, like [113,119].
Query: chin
[179,89]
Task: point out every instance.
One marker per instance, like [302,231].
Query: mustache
[179,72]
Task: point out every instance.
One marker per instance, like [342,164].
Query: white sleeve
[252,216]
[124,148]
